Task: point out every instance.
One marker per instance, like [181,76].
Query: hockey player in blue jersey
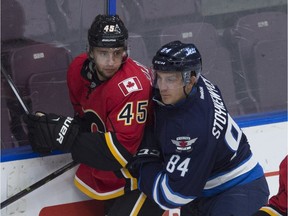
[206,165]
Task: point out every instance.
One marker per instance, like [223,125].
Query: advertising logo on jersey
[129,85]
[184,143]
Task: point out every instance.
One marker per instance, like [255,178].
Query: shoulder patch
[130,85]
[184,143]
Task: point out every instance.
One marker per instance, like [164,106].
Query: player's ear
[193,80]
[190,84]
[90,52]
[124,56]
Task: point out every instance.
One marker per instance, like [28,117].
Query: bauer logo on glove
[48,132]
[64,129]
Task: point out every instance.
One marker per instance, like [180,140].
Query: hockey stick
[45,179]
[14,89]
[38,184]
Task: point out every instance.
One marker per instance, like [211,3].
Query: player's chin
[166,100]
[109,73]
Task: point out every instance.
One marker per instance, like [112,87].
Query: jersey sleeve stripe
[242,169]
[138,205]
[127,175]
[172,197]
[270,211]
[117,155]
[156,194]
[94,194]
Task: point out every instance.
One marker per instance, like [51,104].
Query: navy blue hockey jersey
[204,150]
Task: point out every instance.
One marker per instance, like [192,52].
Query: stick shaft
[14,89]
[38,184]
[45,179]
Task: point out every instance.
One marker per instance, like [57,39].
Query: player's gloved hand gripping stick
[46,133]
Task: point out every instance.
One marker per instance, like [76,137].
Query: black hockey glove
[145,155]
[48,132]
[83,123]
[148,152]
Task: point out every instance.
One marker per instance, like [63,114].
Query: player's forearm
[92,150]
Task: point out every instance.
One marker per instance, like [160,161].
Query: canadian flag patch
[129,85]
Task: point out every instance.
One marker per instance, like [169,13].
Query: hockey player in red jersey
[111,96]
[277,204]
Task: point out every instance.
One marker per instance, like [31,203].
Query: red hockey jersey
[279,201]
[117,108]
[277,204]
